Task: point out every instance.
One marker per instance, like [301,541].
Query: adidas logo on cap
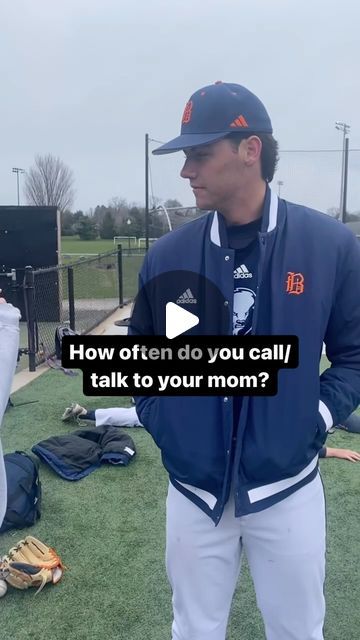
[186,298]
[242,272]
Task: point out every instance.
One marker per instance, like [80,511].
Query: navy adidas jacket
[279,437]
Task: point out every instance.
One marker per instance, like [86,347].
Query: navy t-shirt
[244,239]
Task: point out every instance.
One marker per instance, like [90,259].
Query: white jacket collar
[272,220]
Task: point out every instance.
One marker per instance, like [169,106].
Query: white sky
[86,79]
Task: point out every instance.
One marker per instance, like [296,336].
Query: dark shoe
[122,323]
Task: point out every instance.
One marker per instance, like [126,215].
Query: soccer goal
[130,240]
[142,242]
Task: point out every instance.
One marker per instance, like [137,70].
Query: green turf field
[109,530]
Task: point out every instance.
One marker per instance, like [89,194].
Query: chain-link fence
[81,294]
[131,263]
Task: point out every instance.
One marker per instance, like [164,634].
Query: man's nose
[188,170]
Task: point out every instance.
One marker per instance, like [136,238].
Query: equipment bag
[23,491]
[60,332]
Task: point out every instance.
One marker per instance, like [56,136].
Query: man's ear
[253,146]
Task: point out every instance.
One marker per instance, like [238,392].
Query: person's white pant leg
[9,343]
[203,564]
[285,547]
[117,417]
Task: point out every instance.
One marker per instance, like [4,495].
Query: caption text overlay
[193,365]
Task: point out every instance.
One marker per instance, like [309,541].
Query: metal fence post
[120,275]
[14,288]
[70,274]
[29,292]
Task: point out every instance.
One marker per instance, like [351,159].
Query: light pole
[345,128]
[279,184]
[17,170]
[128,222]
[147,209]
[147,222]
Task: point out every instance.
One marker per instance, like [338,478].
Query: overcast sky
[86,79]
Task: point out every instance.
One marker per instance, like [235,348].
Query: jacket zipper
[245,406]
[262,242]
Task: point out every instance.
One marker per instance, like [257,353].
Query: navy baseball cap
[215,111]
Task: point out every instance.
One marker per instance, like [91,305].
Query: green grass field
[73,244]
[93,281]
[109,531]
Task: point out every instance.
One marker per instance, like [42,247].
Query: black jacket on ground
[74,455]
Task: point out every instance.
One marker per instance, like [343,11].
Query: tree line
[50,182]
[116,219]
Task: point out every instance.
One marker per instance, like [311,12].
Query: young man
[244,470]
[341,454]
[113,416]
[128,417]
[351,424]
[9,344]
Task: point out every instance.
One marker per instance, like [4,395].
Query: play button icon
[178,320]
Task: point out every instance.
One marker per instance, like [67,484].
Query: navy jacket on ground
[279,437]
[74,455]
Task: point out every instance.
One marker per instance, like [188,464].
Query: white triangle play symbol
[178,320]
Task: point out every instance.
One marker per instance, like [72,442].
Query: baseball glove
[31,563]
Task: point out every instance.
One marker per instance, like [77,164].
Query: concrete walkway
[105,328]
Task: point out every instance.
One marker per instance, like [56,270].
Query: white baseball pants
[285,549]
[117,417]
[9,343]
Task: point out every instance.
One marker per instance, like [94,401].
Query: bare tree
[49,182]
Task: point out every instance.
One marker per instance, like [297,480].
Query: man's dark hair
[269,151]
